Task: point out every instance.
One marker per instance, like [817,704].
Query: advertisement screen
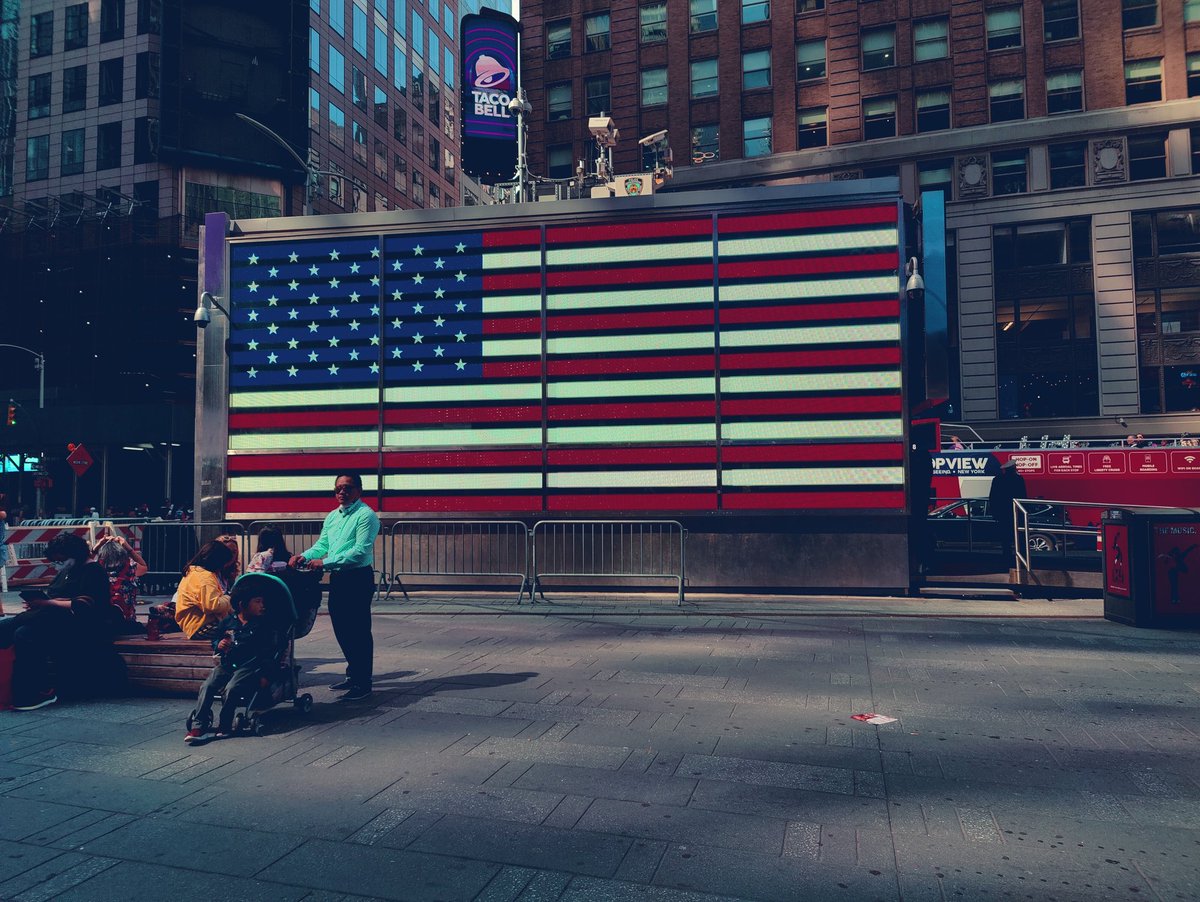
[489,53]
[1176,551]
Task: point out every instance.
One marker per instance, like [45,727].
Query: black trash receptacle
[1152,566]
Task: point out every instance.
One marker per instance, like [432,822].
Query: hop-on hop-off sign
[79,460]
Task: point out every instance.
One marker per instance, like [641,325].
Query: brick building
[1065,135]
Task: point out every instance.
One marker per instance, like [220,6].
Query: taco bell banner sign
[490,43]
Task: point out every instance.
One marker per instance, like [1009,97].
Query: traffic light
[12,414]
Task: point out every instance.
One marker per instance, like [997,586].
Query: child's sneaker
[199,734]
[41,700]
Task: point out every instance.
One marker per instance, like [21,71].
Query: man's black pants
[350,593]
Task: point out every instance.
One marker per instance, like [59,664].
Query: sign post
[79,460]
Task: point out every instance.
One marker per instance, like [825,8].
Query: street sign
[79,460]
[43,482]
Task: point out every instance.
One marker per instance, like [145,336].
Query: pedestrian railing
[456,548]
[298,535]
[167,546]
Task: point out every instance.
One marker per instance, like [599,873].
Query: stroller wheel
[239,723]
[303,703]
[259,728]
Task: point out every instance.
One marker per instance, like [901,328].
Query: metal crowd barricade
[167,545]
[609,548]
[298,535]
[465,548]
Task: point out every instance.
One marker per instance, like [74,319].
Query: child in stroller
[255,668]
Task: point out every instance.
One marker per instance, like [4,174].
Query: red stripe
[665,410]
[889,451]
[317,508]
[405,415]
[395,504]
[810,219]
[495,282]
[886,500]
[528,238]
[883,263]
[643,276]
[332,463]
[848,404]
[394,461]
[845,311]
[846,357]
[651,319]
[503,369]
[684,363]
[630,231]
[658,501]
[303,418]
[630,456]
[516,325]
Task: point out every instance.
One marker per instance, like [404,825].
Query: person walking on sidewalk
[346,548]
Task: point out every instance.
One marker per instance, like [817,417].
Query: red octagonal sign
[79,460]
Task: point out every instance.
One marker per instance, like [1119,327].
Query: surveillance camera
[653,139]
[202,317]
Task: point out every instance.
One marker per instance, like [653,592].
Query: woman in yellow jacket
[203,598]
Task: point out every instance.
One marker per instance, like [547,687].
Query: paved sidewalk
[584,752]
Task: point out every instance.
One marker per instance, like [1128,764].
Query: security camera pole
[521,106]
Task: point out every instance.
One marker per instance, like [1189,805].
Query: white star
[397,353]
[293,344]
[252,345]
[418,366]
[418,308]
[292,371]
[354,296]
[397,294]
[252,316]
[293,285]
[252,373]
[293,313]
[354,324]
[439,322]
[354,355]
[313,270]
[418,279]
[375,281]
[374,367]
[397,266]
[460,365]
[460,336]
[460,247]
[272,357]
[333,255]
[439,293]
[375,252]
[293,257]
[333,311]
[353,267]
[253,259]
[418,338]
[272,328]
[374,339]
[418,250]
[312,327]
[253,286]
[460,306]
[273,301]
[460,276]
[333,370]
[397,322]
[439,351]
[313,298]
[273,271]
[333,342]
[312,356]
[334,283]
[374,310]
[439,263]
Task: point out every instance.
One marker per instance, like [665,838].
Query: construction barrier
[25,545]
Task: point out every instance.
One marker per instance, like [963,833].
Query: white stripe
[256,485]
[629,388]
[624,432]
[319,397]
[816,429]
[525,303]
[614,341]
[700,249]
[806,243]
[797,382]
[633,296]
[809,335]
[512,347]
[787,290]
[835,476]
[632,479]
[420,438]
[458,480]
[494,261]
[303,441]
[468,391]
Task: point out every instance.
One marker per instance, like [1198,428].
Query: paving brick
[766,773]
[672,824]
[659,790]
[139,882]
[791,804]
[552,752]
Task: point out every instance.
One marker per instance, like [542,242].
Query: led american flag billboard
[744,361]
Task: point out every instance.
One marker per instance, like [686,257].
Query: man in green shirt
[346,548]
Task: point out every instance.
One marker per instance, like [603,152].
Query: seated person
[72,625]
[201,602]
[124,566]
[244,646]
[272,553]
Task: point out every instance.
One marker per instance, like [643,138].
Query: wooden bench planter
[170,666]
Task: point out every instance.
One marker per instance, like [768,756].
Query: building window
[337,17]
[809,6]
[933,110]
[560,161]
[146,77]
[595,32]
[108,146]
[654,87]
[1143,81]
[337,126]
[145,139]
[1068,165]
[706,145]
[1004,28]
[812,127]
[1139,13]
[41,36]
[756,137]
[879,118]
[703,16]
[558,39]
[418,37]
[337,70]
[1006,100]
[39,96]
[74,89]
[37,158]
[314,50]
[558,102]
[112,81]
[878,48]
[112,20]
[381,51]
[936,175]
[379,108]
[358,88]
[810,60]
[71,162]
[756,70]
[653,21]
[704,78]
[358,32]
[1147,156]
[755,11]
[314,109]
[1064,92]
[77,27]
[400,124]
[1193,76]
[931,39]
[150,22]
[1010,172]
[596,90]
[1061,18]
[359,133]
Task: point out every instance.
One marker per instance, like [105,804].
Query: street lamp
[310,170]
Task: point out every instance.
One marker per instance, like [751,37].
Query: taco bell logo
[492,84]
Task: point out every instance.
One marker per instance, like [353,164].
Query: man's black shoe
[342,685]
[356,694]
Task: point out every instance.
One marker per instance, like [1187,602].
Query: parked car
[967,522]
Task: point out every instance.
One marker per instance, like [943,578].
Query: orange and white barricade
[26,547]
